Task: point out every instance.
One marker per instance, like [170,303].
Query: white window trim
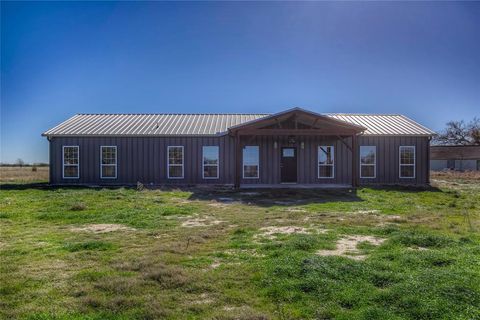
[258,164]
[108,165]
[211,165]
[368,165]
[326,165]
[175,165]
[70,165]
[414,165]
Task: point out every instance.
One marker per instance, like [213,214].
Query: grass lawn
[392,253]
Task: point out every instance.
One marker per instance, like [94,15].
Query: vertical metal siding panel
[420,160]
[345,163]
[313,154]
[300,159]
[231,160]
[136,165]
[271,160]
[380,143]
[51,162]
[221,160]
[162,156]
[426,160]
[155,168]
[145,156]
[392,160]
[309,162]
[131,160]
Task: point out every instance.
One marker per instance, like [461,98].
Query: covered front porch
[296,149]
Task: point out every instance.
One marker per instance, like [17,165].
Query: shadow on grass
[259,197]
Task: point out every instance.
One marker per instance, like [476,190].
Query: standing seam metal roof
[213,124]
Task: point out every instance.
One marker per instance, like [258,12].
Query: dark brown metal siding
[388,159]
[144,159]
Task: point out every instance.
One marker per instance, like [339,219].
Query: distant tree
[19,162]
[460,133]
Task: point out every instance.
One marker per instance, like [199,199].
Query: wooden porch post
[354,161]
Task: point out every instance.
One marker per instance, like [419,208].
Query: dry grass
[23,174]
[454,175]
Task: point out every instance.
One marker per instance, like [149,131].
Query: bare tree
[460,133]
[19,162]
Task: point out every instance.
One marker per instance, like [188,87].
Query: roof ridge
[173,114]
[363,114]
[238,113]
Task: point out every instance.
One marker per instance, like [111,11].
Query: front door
[288,165]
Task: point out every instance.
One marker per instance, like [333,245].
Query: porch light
[275,145]
[302,145]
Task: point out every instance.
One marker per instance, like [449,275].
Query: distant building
[455,158]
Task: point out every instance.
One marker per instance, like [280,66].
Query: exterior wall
[387,171]
[439,165]
[455,152]
[462,165]
[144,159]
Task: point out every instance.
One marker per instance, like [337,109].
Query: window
[407,162]
[70,162]
[108,162]
[210,162]
[250,162]
[288,153]
[175,162]
[326,161]
[368,161]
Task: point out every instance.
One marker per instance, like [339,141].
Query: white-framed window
[407,162]
[368,161]
[71,162]
[326,162]
[108,162]
[251,162]
[210,161]
[175,161]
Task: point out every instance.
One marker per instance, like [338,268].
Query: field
[95,253]
[23,174]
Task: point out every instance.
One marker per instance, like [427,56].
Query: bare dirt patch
[102,228]
[295,210]
[200,222]
[204,298]
[272,231]
[215,264]
[347,247]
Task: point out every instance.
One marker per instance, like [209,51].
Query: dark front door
[288,165]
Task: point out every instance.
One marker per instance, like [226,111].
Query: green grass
[53,267]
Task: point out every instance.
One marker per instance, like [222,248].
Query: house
[455,158]
[293,148]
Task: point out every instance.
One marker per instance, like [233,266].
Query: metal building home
[293,148]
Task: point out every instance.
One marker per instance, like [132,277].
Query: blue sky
[61,58]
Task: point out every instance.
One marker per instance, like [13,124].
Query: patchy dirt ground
[347,247]
[102,228]
[200,222]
